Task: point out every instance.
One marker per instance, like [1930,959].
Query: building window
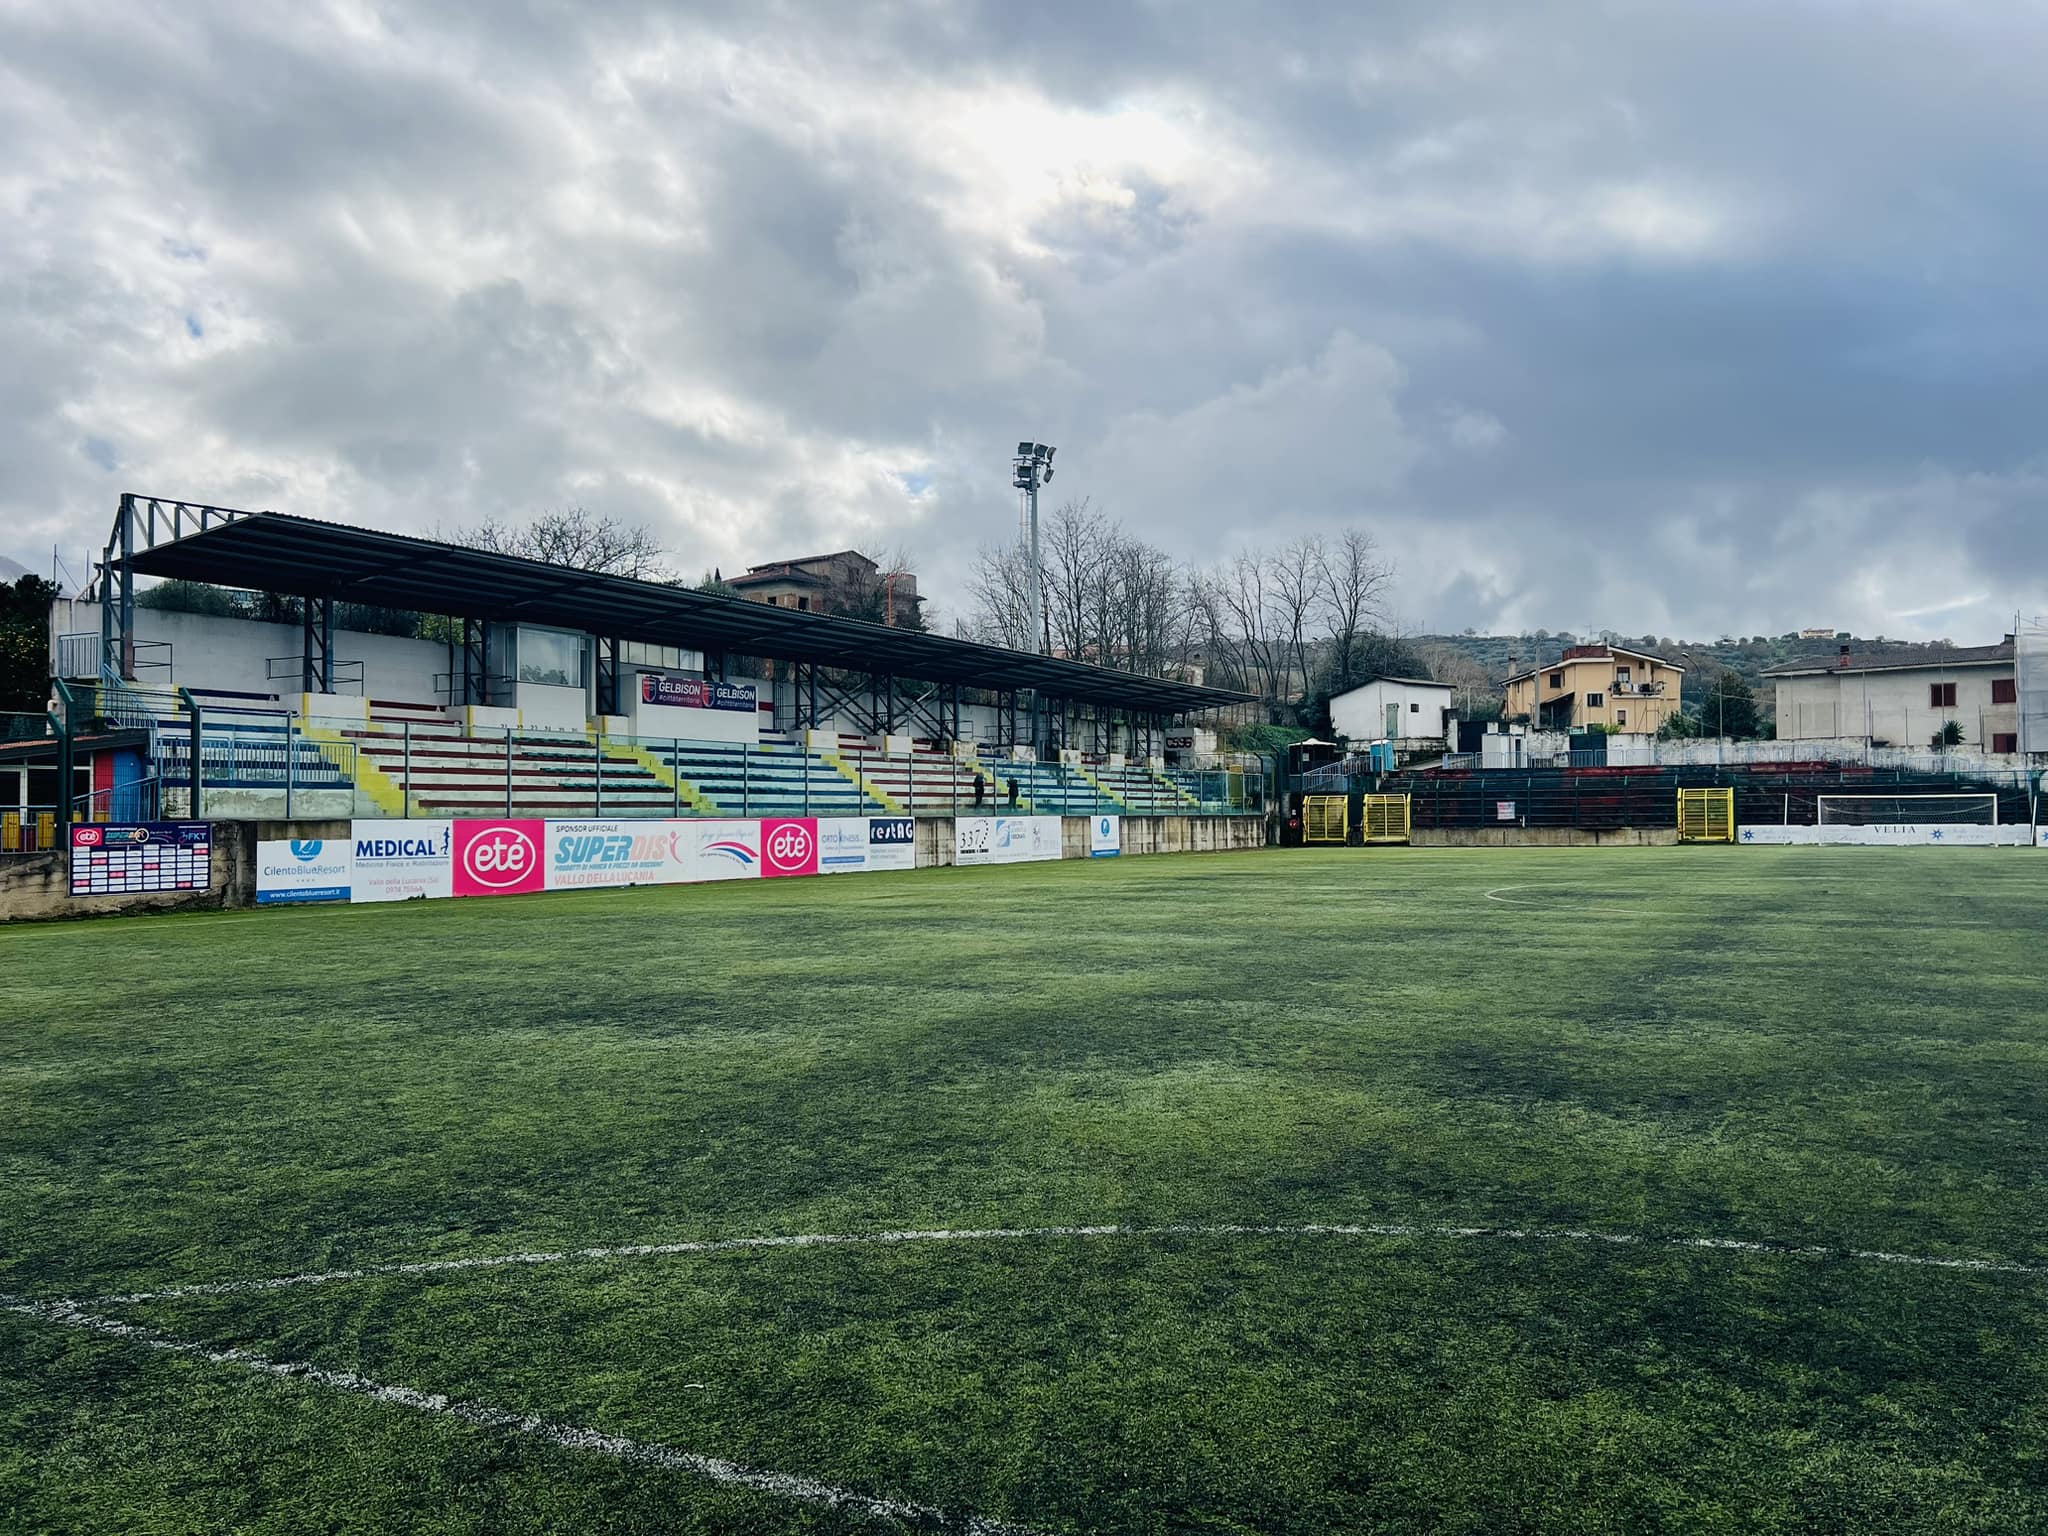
[804,604]
[1941,695]
[1621,677]
[550,656]
[1621,717]
[1557,679]
[1414,709]
[2005,741]
[1595,700]
[2004,690]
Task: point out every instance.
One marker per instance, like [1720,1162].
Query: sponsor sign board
[1503,810]
[695,693]
[789,846]
[303,869]
[1915,834]
[856,844]
[116,858]
[1005,839]
[582,855]
[498,858]
[1105,837]
[402,860]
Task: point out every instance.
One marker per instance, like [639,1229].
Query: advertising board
[583,855]
[1005,839]
[402,860]
[789,846]
[302,869]
[858,844]
[1105,837]
[498,858]
[113,858]
[1907,835]
[695,693]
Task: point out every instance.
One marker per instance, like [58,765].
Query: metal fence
[1648,798]
[254,765]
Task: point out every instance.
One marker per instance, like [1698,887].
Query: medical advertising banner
[302,869]
[789,846]
[499,858]
[1005,839]
[714,850]
[1105,837]
[402,861]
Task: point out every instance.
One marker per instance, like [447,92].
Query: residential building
[1597,685]
[1902,698]
[846,583]
[1396,709]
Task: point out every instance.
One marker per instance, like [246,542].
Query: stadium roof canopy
[300,556]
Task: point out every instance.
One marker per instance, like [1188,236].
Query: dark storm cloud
[1675,318]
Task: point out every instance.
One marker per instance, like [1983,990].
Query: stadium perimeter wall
[38,885]
[1543,837]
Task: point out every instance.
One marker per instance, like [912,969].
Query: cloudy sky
[1682,318]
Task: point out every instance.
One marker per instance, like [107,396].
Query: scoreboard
[116,858]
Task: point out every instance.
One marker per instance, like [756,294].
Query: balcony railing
[1639,690]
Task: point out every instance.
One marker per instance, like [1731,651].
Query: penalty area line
[568,1437]
[1015,1234]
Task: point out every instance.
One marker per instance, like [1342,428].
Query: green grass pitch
[1841,1054]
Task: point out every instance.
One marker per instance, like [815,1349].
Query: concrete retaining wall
[1545,837]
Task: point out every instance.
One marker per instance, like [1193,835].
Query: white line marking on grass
[569,1437]
[998,1234]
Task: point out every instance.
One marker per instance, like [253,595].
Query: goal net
[1962,810]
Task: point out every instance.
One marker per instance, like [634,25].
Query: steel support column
[608,675]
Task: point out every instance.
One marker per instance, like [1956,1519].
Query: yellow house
[1592,685]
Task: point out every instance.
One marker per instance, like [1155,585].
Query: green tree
[25,643]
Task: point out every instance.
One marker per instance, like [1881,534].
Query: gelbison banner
[695,693]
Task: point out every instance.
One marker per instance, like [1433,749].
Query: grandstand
[557,692]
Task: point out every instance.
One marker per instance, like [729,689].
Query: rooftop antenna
[1032,466]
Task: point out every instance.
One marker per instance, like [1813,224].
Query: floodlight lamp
[1024,450]
[1049,452]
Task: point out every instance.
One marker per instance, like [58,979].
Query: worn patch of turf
[1837,1047]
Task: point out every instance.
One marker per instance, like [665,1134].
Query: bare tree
[1244,590]
[1001,590]
[1354,586]
[1296,577]
[578,538]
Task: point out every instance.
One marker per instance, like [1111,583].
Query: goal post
[1973,809]
[1706,815]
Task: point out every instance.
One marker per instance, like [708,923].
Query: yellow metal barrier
[10,832]
[1325,818]
[1386,818]
[1706,815]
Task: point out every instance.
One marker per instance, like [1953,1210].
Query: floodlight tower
[1033,468]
